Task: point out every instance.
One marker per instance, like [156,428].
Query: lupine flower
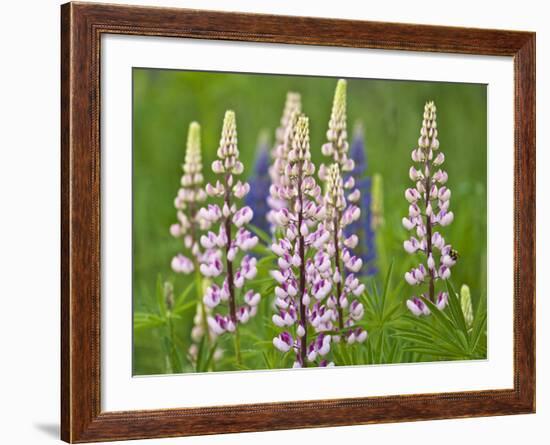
[466,304]
[259,187]
[279,155]
[363,227]
[337,147]
[341,198]
[189,197]
[428,208]
[221,259]
[418,307]
[304,273]
[346,285]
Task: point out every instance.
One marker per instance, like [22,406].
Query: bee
[454,254]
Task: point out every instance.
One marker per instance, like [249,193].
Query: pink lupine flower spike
[429,201]
[222,260]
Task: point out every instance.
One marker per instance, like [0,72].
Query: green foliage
[444,335]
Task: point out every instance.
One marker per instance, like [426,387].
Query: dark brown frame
[82,25]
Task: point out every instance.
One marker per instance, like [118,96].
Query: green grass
[166,101]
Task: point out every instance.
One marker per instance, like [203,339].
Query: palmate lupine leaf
[444,334]
[383,310]
[455,309]
[448,325]
[436,332]
[161,302]
[149,320]
[383,314]
[478,342]
[144,320]
[181,303]
[204,364]
[173,356]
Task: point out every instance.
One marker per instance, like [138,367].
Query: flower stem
[198,285]
[303,340]
[237,345]
[429,231]
[337,262]
[229,265]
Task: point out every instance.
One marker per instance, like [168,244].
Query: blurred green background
[166,101]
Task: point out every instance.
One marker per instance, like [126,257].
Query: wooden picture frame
[82,25]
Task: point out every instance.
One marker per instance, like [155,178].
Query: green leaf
[144,320]
[261,234]
[426,351]
[387,283]
[268,363]
[183,307]
[448,325]
[182,297]
[340,359]
[391,311]
[456,310]
[200,352]
[440,332]
[380,347]
[478,331]
[210,356]
[161,302]
[173,356]
[429,343]
[391,357]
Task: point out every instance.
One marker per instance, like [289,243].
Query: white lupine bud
[466,305]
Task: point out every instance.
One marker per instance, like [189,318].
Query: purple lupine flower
[418,307]
[221,258]
[429,203]
[303,277]
[346,265]
[283,342]
[189,197]
[279,155]
[365,247]
[341,212]
[259,187]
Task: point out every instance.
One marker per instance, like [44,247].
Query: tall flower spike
[342,211]
[346,285]
[303,276]
[223,260]
[429,201]
[363,227]
[279,155]
[259,186]
[189,197]
[337,146]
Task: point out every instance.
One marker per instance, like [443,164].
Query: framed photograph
[275,222]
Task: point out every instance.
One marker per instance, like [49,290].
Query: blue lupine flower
[366,248]
[357,152]
[259,187]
